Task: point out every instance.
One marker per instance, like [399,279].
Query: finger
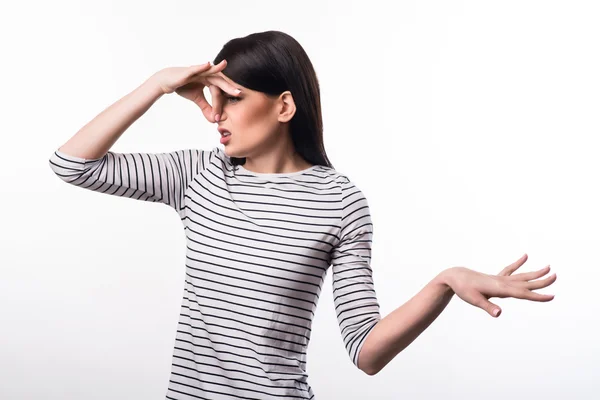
[514,266]
[525,294]
[539,284]
[217,101]
[226,78]
[487,305]
[204,106]
[221,64]
[528,276]
[197,69]
[210,69]
[216,68]
[223,85]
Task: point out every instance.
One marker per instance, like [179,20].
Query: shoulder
[352,200]
[337,177]
[347,186]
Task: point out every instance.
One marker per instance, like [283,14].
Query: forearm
[97,136]
[402,326]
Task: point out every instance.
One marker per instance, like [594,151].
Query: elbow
[57,169]
[66,169]
[371,371]
[54,166]
[367,361]
[63,174]
[367,367]
[57,166]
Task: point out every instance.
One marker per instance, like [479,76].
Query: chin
[232,152]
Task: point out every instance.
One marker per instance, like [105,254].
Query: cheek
[256,122]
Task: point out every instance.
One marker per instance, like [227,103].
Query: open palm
[477,288]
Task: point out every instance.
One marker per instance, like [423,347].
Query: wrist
[446,278]
[153,87]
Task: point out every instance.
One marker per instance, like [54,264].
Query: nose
[222,115]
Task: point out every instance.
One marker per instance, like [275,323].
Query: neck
[276,157]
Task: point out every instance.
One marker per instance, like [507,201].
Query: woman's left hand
[476,288]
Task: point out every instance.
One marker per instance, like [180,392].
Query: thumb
[489,307]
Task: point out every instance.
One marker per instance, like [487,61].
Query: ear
[287,106]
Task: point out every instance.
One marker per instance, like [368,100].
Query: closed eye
[232,99]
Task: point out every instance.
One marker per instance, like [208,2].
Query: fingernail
[237,91]
[217,117]
[496,312]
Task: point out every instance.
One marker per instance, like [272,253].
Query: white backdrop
[472,128]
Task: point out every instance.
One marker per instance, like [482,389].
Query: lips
[223,132]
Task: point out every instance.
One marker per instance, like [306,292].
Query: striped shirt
[258,250]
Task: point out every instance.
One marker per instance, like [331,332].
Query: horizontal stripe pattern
[258,250]
[354,295]
[154,177]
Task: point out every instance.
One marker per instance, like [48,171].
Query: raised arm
[95,139]
[85,159]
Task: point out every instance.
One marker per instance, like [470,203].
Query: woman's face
[252,119]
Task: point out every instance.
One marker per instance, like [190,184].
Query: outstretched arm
[402,326]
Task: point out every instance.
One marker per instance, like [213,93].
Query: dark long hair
[273,62]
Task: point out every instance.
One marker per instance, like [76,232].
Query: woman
[264,218]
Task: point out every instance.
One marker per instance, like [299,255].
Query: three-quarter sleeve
[354,295]
[154,177]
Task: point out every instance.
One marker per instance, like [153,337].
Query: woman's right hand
[189,83]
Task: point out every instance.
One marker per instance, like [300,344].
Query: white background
[471,126]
